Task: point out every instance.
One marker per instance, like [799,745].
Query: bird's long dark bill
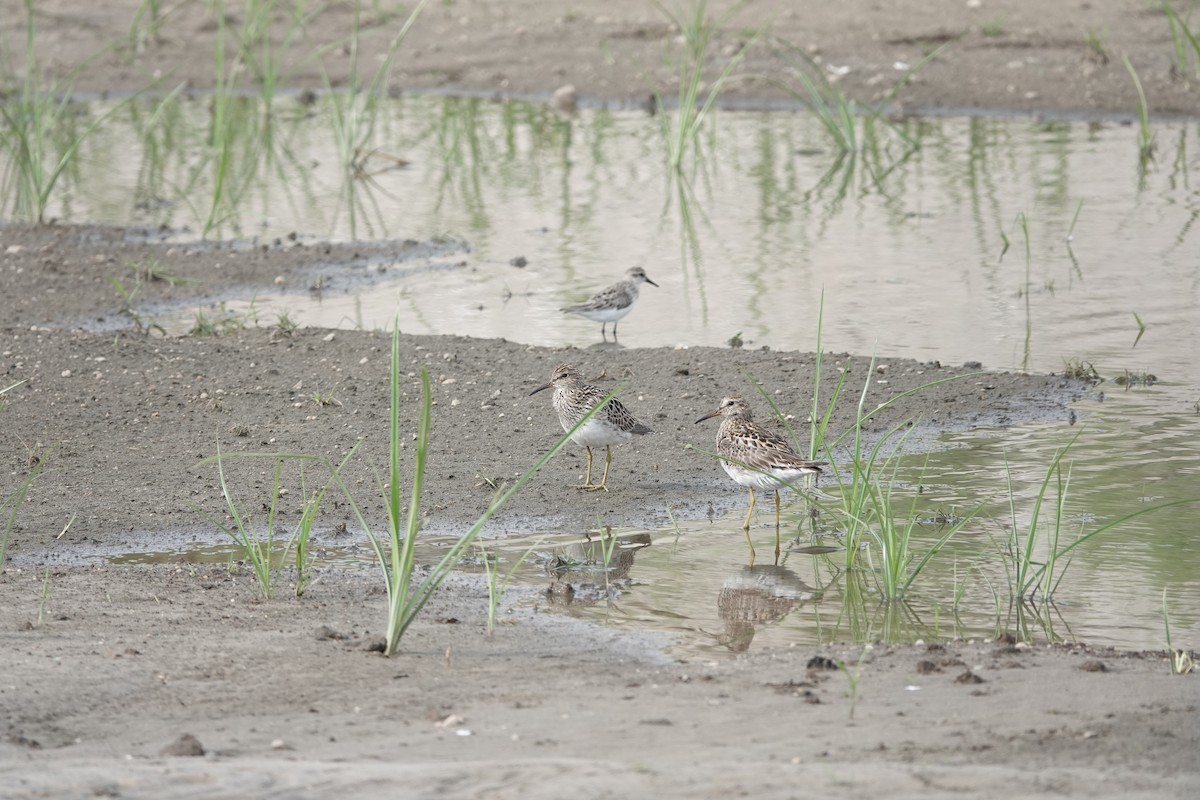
[709,415]
[652,283]
[540,388]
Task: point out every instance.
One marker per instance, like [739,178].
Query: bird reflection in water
[594,569]
[755,596]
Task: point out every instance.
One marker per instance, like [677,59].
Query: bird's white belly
[597,432]
[604,314]
[777,479]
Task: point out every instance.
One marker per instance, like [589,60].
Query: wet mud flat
[128,421]
[177,681]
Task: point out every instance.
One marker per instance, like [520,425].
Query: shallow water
[1015,242]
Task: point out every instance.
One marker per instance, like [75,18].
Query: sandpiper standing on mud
[756,457]
[613,424]
[613,303]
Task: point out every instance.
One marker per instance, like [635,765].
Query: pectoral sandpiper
[613,303]
[612,424]
[756,457]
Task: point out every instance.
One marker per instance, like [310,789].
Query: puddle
[1016,242]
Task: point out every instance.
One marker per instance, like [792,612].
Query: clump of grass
[1184,42]
[41,133]
[693,110]
[151,271]
[325,399]
[257,543]
[395,548]
[355,110]
[1095,45]
[1036,554]
[996,26]
[868,500]
[1081,370]
[891,529]
[255,551]
[284,321]
[223,322]
[1181,661]
[842,118]
[865,486]
[145,273]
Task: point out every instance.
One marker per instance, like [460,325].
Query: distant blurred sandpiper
[612,424]
[613,303]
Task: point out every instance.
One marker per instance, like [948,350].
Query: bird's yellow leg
[777,527]
[587,484]
[603,484]
[746,526]
[746,522]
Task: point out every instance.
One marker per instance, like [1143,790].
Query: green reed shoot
[8,389]
[45,601]
[395,551]
[1145,135]
[10,506]
[147,20]
[1095,45]
[698,33]
[495,586]
[1074,219]
[1141,329]
[300,537]
[853,676]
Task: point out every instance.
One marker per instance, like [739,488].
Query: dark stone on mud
[1093,665]
[185,745]
[821,662]
[326,632]
[968,677]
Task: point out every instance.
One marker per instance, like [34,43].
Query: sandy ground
[106,667]
[1020,55]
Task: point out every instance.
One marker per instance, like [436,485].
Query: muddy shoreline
[1011,55]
